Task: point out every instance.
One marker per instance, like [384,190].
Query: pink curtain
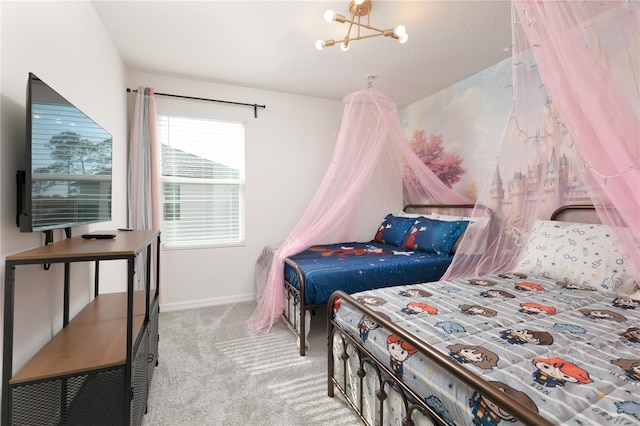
[143,173]
[370,141]
[574,132]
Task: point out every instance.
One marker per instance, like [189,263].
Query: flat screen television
[67,181]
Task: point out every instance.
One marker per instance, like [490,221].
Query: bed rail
[295,316]
[411,400]
[449,208]
[584,213]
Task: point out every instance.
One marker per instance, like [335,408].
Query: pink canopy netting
[362,184]
[573,136]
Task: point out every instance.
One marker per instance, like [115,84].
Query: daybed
[549,343]
[396,255]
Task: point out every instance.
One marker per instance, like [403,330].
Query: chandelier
[359,9]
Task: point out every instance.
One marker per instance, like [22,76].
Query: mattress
[357,266]
[570,354]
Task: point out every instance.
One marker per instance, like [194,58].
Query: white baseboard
[203,303]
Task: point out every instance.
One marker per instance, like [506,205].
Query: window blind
[202,163]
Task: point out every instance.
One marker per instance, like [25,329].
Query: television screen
[68,178]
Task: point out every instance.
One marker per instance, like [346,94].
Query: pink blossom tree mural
[446,165]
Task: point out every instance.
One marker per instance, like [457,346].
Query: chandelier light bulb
[329,15]
[400,31]
[358,20]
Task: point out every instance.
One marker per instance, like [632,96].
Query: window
[202,181]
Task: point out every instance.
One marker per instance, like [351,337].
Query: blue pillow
[393,230]
[434,236]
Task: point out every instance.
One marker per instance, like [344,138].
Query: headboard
[581,213]
[450,209]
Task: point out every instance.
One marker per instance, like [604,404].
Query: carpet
[214,371]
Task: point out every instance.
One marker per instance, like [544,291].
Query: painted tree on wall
[471,192]
[446,165]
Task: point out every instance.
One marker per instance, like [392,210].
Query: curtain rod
[255,106]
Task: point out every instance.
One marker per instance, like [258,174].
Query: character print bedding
[560,348]
[414,246]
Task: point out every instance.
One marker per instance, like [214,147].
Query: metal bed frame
[295,315]
[387,380]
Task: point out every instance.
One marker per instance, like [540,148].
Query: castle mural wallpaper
[463,124]
[458,131]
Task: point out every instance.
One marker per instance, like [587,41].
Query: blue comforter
[353,267]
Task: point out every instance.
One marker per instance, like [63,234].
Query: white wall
[65,45]
[288,148]
[287,151]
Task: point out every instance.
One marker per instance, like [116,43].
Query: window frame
[240,218]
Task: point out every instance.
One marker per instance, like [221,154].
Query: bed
[394,256]
[522,346]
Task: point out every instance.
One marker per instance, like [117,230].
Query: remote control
[98,236]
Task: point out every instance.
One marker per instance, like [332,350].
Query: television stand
[97,369]
[48,239]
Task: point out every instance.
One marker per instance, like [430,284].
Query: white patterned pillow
[407,214]
[585,255]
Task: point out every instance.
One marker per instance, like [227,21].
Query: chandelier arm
[369,27]
[364,36]
[351,24]
[359,10]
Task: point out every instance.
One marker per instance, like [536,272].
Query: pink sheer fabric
[574,132]
[593,106]
[573,137]
[143,180]
[143,173]
[370,142]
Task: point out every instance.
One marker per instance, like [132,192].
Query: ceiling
[271,44]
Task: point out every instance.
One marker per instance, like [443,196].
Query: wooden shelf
[97,368]
[93,339]
[126,243]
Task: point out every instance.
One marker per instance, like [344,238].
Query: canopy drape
[370,139]
[573,137]
[574,131]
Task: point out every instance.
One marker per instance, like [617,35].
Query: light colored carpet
[214,371]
